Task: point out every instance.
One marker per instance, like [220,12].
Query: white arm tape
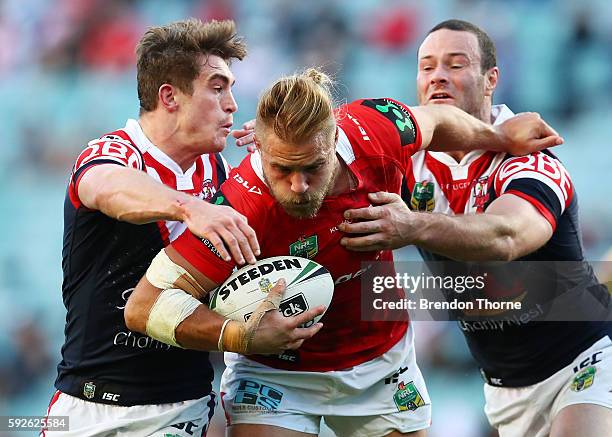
[163,272]
[169,310]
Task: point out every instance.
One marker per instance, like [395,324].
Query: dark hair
[173,53]
[488,58]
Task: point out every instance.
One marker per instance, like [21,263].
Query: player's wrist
[502,141]
[418,226]
[185,206]
[233,337]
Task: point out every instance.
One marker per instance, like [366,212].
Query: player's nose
[438,75]
[299,182]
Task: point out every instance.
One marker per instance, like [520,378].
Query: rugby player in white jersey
[542,378]
[132,192]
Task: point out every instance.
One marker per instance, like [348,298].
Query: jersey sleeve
[386,125]
[244,192]
[540,179]
[109,149]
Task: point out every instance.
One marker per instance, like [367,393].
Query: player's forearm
[199,331]
[483,237]
[454,129]
[131,195]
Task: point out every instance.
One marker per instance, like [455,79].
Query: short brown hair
[172,54]
[297,107]
[488,57]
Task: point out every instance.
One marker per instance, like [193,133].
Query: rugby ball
[308,284]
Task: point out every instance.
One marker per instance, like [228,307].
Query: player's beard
[307,205]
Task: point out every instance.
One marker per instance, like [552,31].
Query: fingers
[544,143]
[278,291]
[251,236]
[548,130]
[302,334]
[361,227]
[238,236]
[380,198]
[362,244]
[249,125]
[247,138]
[369,213]
[235,244]
[307,316]
[216,241]
[294,345]
[383,197]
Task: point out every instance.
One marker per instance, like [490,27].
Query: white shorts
[87,419]
[529,411]
[374,398]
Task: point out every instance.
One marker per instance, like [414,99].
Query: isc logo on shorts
[252,395]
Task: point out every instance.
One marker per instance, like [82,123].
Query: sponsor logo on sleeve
[397,115]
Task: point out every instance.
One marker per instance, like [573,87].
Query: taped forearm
[164,273]
[169,310]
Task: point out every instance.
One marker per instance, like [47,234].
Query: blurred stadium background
[67,76]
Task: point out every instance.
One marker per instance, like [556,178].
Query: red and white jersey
[377,137]
[130,147]
[438,183]
[102,260]
[513,352]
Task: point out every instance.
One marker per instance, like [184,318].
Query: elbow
[505,249]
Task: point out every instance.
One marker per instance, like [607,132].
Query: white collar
[134,130]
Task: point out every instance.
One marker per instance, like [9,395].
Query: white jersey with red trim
[103,260]
[377,137]
[435,182]
[131,148]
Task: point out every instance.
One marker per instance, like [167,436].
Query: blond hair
[297,108]
[172,54]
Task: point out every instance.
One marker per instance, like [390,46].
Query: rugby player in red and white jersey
[131,192]
[312,164]
[542,378]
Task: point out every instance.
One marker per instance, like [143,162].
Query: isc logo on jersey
[308,284]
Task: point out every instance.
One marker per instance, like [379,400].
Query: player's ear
[491,77]
[256,142]
[167,97]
